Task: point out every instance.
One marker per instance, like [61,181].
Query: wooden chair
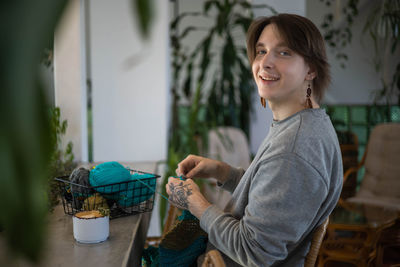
[213,259]
[356,243]
[388,247]
[353,245]
[169,224]
[316,242]
[380,185]
[349,150]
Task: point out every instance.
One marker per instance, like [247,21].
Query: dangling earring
[308,96]
[263,101]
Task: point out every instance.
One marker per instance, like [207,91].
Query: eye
[284,53]
[260,52]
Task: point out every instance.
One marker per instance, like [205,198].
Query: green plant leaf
[26,28]
[208,4]
[174,24]
[188,81]
[143,10]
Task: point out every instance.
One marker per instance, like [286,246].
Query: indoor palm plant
[213,77]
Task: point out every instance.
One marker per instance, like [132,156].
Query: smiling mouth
[268,78]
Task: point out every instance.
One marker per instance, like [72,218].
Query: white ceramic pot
[89,228]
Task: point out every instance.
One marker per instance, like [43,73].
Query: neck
[282,111]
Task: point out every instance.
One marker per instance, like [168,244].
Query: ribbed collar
[314,111]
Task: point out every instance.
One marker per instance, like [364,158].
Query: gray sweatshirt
[290,188]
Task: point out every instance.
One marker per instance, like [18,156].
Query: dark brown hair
[301,36]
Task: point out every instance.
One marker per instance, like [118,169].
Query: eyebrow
[281,44]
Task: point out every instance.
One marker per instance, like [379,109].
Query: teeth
[269,78]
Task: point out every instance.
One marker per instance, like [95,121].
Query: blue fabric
[138,187]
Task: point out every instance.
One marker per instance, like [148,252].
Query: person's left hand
[185,194]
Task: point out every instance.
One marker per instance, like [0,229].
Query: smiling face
[281,74]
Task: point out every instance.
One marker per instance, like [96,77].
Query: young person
[295,179]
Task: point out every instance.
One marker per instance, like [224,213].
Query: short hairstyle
[301,36]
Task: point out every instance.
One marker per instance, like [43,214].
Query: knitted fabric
[115,182]
[181,246]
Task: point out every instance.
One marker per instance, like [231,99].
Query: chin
[264,95]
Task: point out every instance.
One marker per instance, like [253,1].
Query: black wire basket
[122,199]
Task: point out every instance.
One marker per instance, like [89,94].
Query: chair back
[213,259]
[316,242]
[381,182]
[230,145]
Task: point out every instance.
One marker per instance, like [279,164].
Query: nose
[268,61]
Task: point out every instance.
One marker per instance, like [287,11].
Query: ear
[311,74]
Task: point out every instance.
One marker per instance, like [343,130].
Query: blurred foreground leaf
[143,13]
[26,26]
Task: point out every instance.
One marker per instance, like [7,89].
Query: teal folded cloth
[116,182]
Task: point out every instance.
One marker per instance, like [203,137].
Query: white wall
[130,81]
[356,83]
[70,94]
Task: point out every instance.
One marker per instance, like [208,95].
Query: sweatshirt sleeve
[234,177]
[284,197]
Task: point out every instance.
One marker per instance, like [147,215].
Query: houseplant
[61,159]
[25,133]
[213,77]
[382,27]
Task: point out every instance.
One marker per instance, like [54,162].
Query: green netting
[395,114]
[358,115]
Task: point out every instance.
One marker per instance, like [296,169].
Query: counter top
[122,248]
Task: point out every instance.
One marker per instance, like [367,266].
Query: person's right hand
[199,167]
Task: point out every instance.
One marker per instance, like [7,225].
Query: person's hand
[195,166]
[185,194]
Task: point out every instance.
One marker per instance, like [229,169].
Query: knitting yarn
[107,175]
[95,202]
[79,176]
[181,246]
[141,188]
[116,182]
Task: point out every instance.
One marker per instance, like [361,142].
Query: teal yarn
[136,191]
[180,247]
[134,188]
[151,257]
[108,173]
